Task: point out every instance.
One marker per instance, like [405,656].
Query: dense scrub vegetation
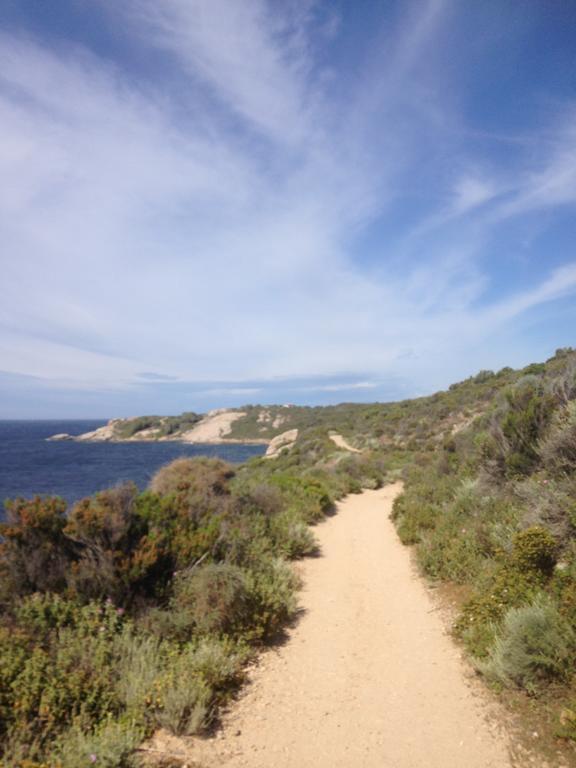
[160,426]
[132,611]
[495,511]
[137,610]
[412,425]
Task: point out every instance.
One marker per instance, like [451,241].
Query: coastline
[178,439]
[212,428]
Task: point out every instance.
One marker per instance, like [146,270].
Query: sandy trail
[368,678]
[341,442]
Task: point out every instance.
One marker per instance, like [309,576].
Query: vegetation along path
[368,678]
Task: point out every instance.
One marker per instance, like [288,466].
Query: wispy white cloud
[560,284]
[247,53]
[208,230]
[470,192]
[553,183]
[342,387]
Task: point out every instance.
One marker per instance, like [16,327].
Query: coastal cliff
[214,427]
[277,427]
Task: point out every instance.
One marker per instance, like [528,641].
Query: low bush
[272,595]
[513,580]
[308,496]
[418,510]
[111,745]
[535,645]
[558,449]
[510,446]
[35,553]
[534,552]
[548,503]
[130,427]
[291,537]
[450,554]
[120,556]
[219,662]
[140,659]
[213,598]
[195,679]
[58,669]
[194,478]
[185,703]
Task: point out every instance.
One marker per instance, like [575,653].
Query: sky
[207,203]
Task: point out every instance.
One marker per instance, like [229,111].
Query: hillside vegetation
[134,611]
[494,510]
[138,610]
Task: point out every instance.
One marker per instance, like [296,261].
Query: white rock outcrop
[281,442]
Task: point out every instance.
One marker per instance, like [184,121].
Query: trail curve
[369,677]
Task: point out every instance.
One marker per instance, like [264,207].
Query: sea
[30,465]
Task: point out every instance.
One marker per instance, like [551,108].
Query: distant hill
[414,424]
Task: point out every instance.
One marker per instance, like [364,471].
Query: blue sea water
[30,465]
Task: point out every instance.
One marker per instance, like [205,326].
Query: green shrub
[35,554]
[558,449]
[418,510]
[56,668]
[258,497]
[219,662]
[535,645]
[272,597]
[128,428]
[306,495]
[195,477]
[291,536]
[111,745]
[15,648]
[413,519]
[450,555]
[515,581]
[172,424]
[510,448]
[185,703]
[193,678]
[214,597]
[40,613]
[71,677]
[549,503]
[245,538]
[360,471]
[120,555]
[534,552]
[504,588]
[140,660]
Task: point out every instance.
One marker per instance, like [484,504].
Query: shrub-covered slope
[132,611]
[494,510]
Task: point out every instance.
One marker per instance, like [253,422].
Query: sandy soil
[341,442]
[213,428]
[368,677]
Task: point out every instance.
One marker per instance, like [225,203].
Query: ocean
[29,465]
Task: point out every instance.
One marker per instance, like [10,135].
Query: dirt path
[341,442]
[368,678]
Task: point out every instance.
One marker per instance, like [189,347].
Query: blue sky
[213,202]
